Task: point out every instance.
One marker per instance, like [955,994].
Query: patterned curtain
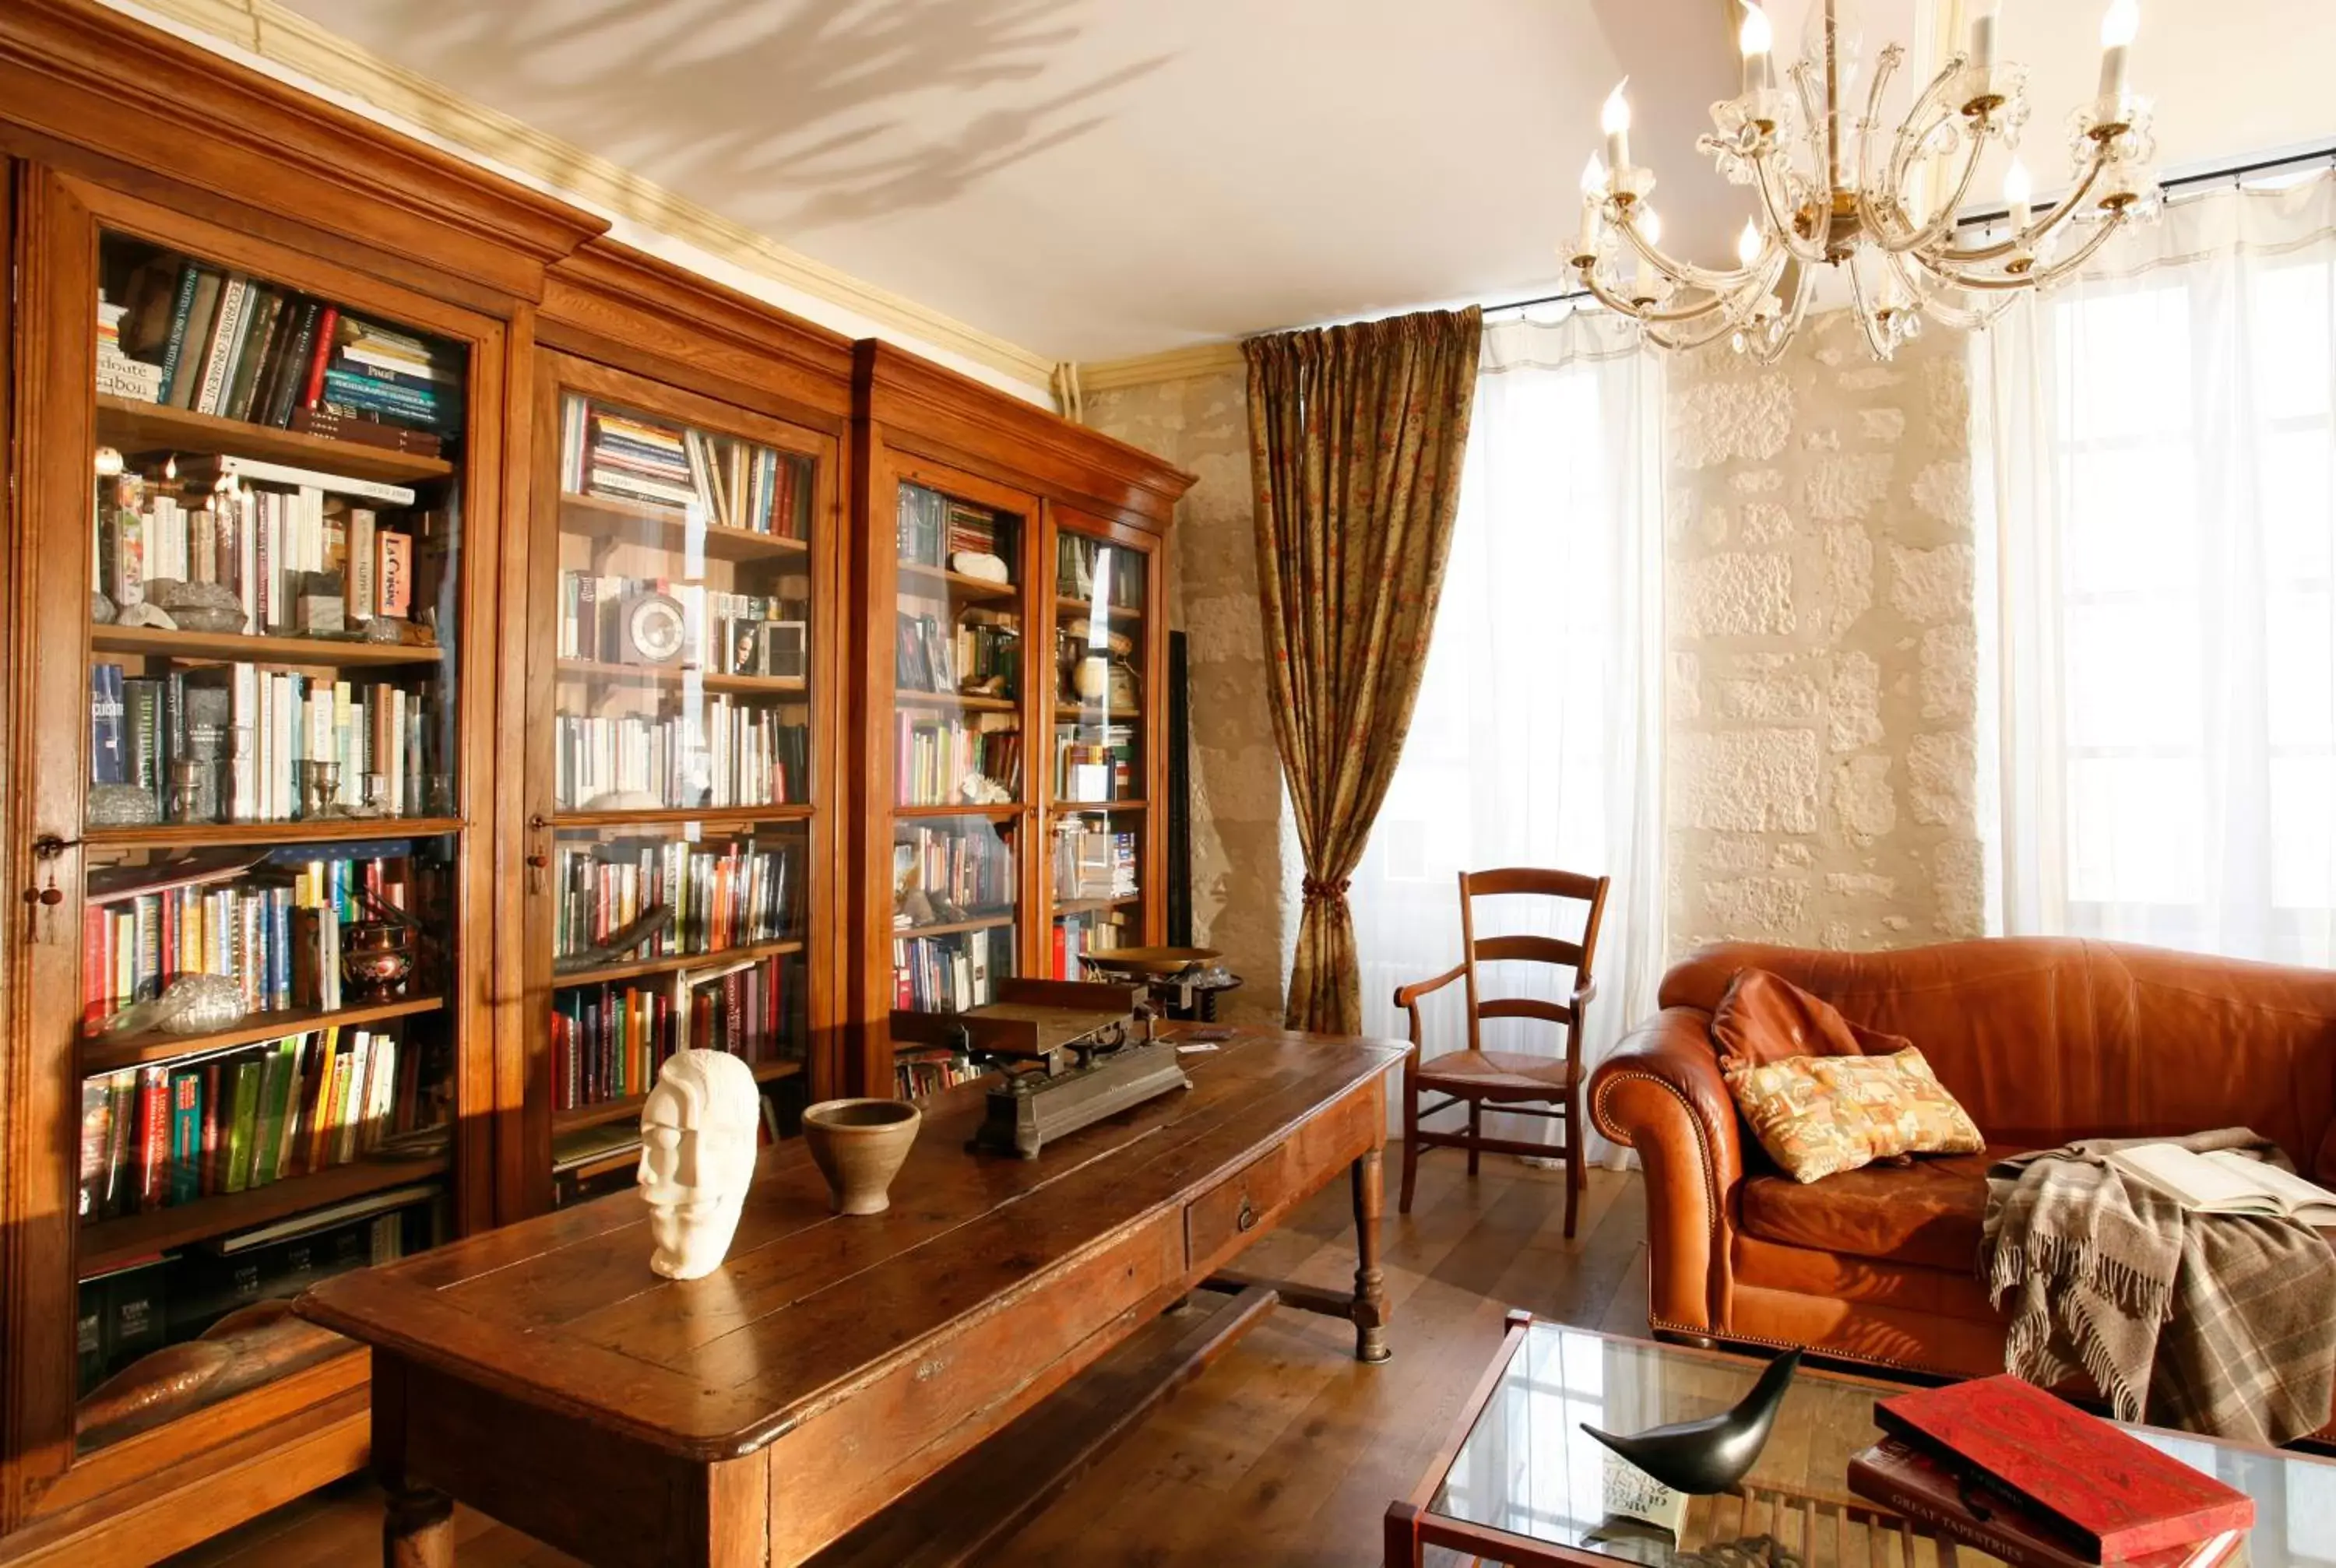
[1355,439]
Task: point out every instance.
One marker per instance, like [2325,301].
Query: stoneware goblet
[859,1145]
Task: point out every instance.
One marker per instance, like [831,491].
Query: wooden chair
[1529,1086]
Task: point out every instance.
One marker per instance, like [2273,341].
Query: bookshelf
[1105,664]
[680,591]
[263,551]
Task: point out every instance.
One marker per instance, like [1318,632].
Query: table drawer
[1224,1220]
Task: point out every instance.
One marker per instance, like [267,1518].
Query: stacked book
[1082,566]
[739,895]
[921,1073]
[155,1137]
[1076,936]
[2001,1465]
[931,529]
[728,754]
[972,869]
[279,940]
[950,973]
[248,730]
[984,651]
[224,344]
[724,481]
[118,375]
[258,529]
[933,759]
[608,1041]
[1094,762]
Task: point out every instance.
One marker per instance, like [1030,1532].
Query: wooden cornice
[75,71]
[919,402]
[622,302]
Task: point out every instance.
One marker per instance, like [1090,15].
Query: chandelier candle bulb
[1747,244]
[1594,201]
[1614,120]
[1757,40]
[2016,192]
[2117,29]
[1982,34]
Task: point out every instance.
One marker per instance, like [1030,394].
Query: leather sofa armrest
[1660,1092]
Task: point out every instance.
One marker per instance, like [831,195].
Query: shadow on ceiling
[776,114]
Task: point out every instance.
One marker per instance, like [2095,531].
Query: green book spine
[186,1135]
[241,1128]
[274,1091]
[175,351]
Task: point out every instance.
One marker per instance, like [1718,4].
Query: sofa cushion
[1764,1017]
[1927,1213]
[1819,1116]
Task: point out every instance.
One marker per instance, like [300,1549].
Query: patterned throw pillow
[1819,1114]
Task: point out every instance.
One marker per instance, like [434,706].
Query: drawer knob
[1247,1218]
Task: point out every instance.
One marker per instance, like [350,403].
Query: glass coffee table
[1520,1483]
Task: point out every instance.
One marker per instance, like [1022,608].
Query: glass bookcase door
[269,1011]
[959,651]
[673,900]
[1098,751]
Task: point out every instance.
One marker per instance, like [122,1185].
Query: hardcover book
[2119,1497]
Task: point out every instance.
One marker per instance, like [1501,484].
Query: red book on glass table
[2119,1497]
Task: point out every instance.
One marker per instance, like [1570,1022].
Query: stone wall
[1821,644]
[1243,866]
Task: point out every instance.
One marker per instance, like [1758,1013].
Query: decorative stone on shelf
[698,1128]
[197,605]
[981,565]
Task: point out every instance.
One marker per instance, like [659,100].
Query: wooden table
[543,1374]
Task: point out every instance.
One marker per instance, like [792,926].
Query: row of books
[247,730]
[156,1138]
[950,973]
[266,541]
[726,482]
[727,633]
[1082,566]
[1076,936]
[730,753]
[982,650]
[932,527]
[132,1313]
[933,759]
[1096,763]
[741,894]
[972,867]
[280,941]
[608,1041]
[921,1074]
[2002,1466]
[1092,861]
[229,345]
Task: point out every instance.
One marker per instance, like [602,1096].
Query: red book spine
[322,357]
[210,1150]
[96,967]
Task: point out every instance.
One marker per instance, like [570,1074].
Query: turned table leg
[1370,1310]
[418,1530]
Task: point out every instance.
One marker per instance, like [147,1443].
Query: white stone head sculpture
[698,1158]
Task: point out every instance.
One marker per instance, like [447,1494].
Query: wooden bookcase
[531,316]
[971,823]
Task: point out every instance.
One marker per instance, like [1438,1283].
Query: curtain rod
[2234,173]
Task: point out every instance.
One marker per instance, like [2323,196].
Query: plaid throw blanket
[2213,1323]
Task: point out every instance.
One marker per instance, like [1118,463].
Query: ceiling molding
[274,33]
[1168,364]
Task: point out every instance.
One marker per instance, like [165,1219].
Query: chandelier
[1882,205]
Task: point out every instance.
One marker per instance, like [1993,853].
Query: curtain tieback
[1321,892]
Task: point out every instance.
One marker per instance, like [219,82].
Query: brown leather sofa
[2042,1040]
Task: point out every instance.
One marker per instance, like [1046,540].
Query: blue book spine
[186,1135]
[364,388]
[105,754]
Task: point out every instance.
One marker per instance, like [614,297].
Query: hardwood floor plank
[1285,1451]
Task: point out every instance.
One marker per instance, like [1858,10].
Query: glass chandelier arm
[1770,349]
[1715,299]
[1709,279]
[1780,223]
[2025,239]
[1931,110]
[1961,319]
[1981,282]
[1728,313]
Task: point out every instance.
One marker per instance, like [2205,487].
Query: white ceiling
[1098,178]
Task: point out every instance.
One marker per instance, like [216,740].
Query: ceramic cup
[859,1145]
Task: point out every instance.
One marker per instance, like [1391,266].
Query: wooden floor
[1287,1451]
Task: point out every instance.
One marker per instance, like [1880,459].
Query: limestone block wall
[1243,868]
[1822,646]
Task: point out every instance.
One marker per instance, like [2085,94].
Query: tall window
[2163,448]
[1534,738]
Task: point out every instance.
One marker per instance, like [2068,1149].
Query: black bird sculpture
[1715,1452]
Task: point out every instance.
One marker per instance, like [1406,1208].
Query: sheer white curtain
[1537,734]
[2159,445]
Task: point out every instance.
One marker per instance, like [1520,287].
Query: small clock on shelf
[656,629]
